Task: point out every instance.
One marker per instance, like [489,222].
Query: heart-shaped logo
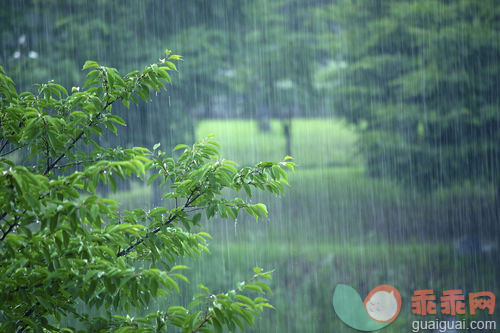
[380,308]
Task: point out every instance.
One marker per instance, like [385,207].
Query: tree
[275,62]
[61,244]
[422,80]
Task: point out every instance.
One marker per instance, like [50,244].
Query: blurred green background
[389,108]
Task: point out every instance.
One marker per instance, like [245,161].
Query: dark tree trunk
[287,128]
[264,118]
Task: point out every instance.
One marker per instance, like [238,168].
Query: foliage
[62,244]
[421,78]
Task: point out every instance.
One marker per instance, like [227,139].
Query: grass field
[315,142]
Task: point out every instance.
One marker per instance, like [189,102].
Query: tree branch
[12,150]
[76,163]
[76,139]
[203,322]
[10,228]
[40,197]
[27,314]
[171,218]
[4,144]
[71,145]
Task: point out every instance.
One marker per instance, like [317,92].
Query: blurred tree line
[422,79]
[419,78]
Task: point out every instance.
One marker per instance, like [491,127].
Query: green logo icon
[380,308]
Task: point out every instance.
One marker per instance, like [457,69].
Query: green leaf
[90,64]
[180,146]
[178,267]
[245,300]
[262,208]
[152,178]
[253,288]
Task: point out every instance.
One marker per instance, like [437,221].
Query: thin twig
[10,228]
[27,314]
[171,218]
[194,209]
[70,146]
[13,150]
[4,144]
[77,138]
[76,163]
[203,322]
